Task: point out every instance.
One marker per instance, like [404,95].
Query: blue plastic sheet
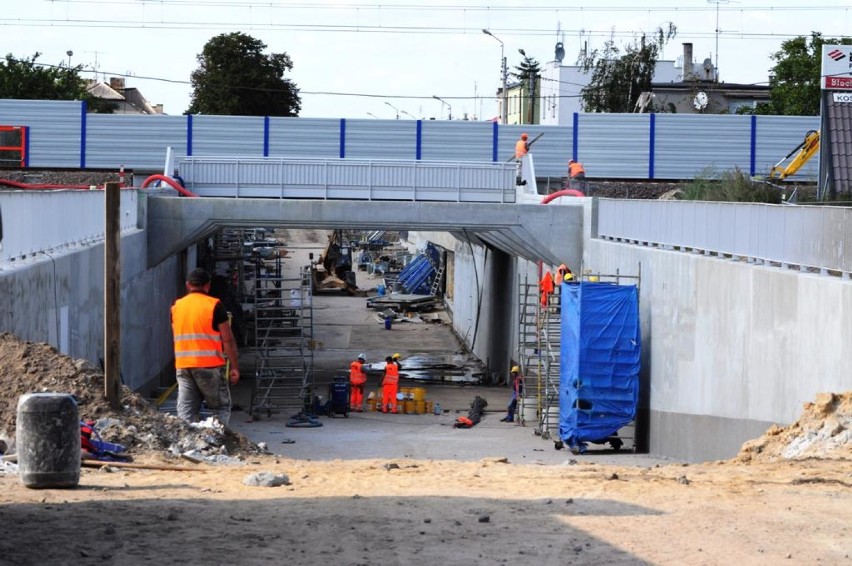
[599,366]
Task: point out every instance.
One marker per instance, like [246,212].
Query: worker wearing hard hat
[357,381]
[396,358]
[390,386]
[517,391]
[522,147]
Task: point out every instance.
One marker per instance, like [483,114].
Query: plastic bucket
[388,323]
[48,439]
[371,404]
[528,409]
[408,407]
[380,289]
[419,393]
[420,407]
[428,405]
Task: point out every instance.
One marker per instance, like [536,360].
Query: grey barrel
[48,440]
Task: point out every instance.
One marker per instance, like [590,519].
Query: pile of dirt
[30,367]
[823,431]
[62,176]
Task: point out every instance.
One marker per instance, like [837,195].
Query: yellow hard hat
[568,277]
[516,369]
[396,356]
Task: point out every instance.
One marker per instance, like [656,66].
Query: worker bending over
[357,381]
[390,386]
[202,338]
[517,391]
[576,176]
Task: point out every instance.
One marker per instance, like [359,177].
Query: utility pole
[505,72]
[112,293]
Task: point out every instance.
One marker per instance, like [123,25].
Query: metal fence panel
[613,145]
[54,129]
[443,140]
[227,135]
[689,146]
[805,236]
[381,139]
[777,136]
[610,145]
[133,140]
[65,218]
[349,179]
[304,137]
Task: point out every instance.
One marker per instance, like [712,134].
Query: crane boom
[806,150]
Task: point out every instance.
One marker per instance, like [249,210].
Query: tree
[794,83]
[528,73]
[234,77]
[25,79]
[618,79]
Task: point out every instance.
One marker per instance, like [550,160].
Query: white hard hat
[362,357]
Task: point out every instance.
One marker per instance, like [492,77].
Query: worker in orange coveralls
[357,379]
[390,386]
[546,287]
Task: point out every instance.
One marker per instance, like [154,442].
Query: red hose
[562,193]
[27,186]
[169,181]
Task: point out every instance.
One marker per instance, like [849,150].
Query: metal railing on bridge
[349,179]
[802,237]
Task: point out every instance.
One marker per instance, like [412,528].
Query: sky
[390,58]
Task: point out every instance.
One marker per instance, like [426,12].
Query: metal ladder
[436,284]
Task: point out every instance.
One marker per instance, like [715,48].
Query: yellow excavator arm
[806,150]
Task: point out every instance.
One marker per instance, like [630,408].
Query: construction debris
[824,430]
[36,367]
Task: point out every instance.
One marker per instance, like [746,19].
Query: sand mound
[824,431]
[30,367]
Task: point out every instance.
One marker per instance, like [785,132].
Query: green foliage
[25,79]
[526,69]
[794,86]
[729,186]
[619,78]
[234,77]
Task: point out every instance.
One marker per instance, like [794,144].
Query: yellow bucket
[371,404]
[420,407]
[428,407]
[408,406]
[419,393]
[406,392]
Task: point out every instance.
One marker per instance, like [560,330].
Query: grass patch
[729,186]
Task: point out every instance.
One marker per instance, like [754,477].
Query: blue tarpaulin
[599,366]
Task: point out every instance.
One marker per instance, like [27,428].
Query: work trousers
[389,391]
[356,396]
[208,385]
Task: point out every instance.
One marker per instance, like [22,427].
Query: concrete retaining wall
[60,300]
[730,347]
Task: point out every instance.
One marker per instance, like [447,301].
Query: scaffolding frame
[283,339]
[539,351]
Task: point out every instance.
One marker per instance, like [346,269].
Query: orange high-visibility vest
[197,343]
[521,149]
[575,169]
[391,374]
[356,373]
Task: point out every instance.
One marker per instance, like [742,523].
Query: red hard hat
[524,136]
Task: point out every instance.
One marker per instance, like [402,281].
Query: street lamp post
[395,108]
[373,115]
[407,114]
[69,53]
[504,70]
[449,108]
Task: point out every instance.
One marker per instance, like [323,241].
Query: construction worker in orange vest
[390,386]
[522,147]
[357,380]
[576,175]
[545,286]
[202,339]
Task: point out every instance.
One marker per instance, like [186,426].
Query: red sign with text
[838,82]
